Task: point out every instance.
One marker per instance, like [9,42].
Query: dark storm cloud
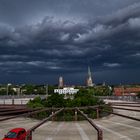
[19,12]
[59,45]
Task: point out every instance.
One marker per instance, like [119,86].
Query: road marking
[82,132]
[56,130]
[134,114]
[49,138]
[123,124]
[115,133]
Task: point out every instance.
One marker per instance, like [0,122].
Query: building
[119,91]
[66,90]
[61,82]
[17,90]
[89,81]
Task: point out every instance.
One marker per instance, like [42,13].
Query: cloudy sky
[43,39]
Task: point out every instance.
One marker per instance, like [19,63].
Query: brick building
[118,91]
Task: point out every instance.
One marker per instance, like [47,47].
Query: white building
[66,90]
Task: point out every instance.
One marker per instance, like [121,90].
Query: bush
[55,100]
[81,99]
[36,103]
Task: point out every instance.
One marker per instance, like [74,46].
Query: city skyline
[41,40]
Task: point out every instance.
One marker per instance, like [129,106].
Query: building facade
[66,90]
[119,91]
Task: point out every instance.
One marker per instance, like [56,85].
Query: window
[22,131]
[11,135]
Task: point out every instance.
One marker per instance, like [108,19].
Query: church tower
[61,82]
[89,78]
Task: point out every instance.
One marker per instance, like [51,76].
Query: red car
[16,134]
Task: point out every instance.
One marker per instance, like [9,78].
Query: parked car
[16,134]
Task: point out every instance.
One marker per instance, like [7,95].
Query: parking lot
[114,128]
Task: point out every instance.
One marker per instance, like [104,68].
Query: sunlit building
[89,81]
[119,91]
[61,82]
[66,90]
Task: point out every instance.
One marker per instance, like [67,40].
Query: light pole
[8,88]
[110,89]
[123,90]
[46,90]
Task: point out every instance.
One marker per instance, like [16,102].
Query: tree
[81,99]
[29,89]
[36,103]
[85,98]
[55,100]
[138,94]
[51,89]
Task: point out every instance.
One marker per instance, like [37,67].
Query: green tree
[51,89]
[3,91]
[55,100]
[29,89]
[40,90]
[138,95]
[36,103]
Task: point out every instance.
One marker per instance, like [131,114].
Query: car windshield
[11,135]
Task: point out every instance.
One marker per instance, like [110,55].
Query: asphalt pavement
[114,128]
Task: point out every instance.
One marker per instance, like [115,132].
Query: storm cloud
[41,40]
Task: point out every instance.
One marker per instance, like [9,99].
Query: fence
[123,98]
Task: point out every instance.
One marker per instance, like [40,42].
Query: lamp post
[123,90]
[8,88]
[110,89]
[46,87]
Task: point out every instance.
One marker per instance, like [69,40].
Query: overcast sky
[41,40]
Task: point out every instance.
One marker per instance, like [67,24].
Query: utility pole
[7,89]
[46,90]
[123,90]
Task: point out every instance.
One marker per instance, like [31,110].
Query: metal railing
[123,98]
[29,132]
[32,112]
[121,115]
[58,110]
[99,131]
[129,109]
[127,105]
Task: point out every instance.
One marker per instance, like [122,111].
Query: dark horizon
[42,40]
[68,80]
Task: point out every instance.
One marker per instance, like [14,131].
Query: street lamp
[46,90]
[110,89]
[8,88]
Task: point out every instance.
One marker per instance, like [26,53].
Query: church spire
[89,78]
[89,72]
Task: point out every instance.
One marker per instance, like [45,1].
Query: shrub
[81,99]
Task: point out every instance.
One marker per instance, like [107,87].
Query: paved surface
[114,128]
